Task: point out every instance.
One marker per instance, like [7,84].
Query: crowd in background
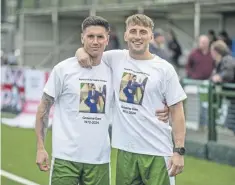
[210,60]
[11,58]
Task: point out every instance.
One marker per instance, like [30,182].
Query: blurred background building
[37,34]
[48,31]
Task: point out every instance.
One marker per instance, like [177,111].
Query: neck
[146,56]
[205,51]
[96,60]
[218,59]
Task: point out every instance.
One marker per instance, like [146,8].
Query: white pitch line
[17,178]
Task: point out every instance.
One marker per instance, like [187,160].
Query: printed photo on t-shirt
[132,88]
[92,98]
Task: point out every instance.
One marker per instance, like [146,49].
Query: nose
[138,36]
[95,40]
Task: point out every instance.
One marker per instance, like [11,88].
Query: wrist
[179,150]
[40,146]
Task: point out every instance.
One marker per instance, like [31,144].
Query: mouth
[137,43]
[95,48]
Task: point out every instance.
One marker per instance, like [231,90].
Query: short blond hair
[140,20]
[220,47]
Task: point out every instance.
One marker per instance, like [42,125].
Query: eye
[132,31]
[100,36]
[90,36]
[143,32]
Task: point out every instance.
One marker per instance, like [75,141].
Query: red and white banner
[22,90]
[12,90]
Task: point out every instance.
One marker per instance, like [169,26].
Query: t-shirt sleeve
[174,92]
[112,57]
[53,86]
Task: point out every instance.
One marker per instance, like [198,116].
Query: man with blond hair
[146,154]
[225,63]
[224,72]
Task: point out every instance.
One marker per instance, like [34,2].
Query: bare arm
[178,124]
[176,163]
[84,59]
[42,118]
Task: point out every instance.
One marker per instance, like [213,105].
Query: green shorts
[73,173]
[140,169]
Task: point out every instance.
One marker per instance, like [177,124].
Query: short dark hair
[211,32]
[95,21]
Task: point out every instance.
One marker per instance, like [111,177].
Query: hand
[84,58]
[129,90]
[176,164]
[92,100]
[163,115]
[42,160]
[216,78]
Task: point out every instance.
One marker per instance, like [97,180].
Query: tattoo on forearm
[46,103]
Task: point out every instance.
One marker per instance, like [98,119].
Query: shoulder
[65,66]
[163,65]
[194,52]
[66,63]
[116,52]
[228,59]
[114,57]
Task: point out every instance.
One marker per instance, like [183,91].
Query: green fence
[209,96]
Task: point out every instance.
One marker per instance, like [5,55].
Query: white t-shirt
[141,88]
[81,115]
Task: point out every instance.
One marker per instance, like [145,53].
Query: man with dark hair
[93,99]
[211,36]
[81,148]
[130,89]
[223,35]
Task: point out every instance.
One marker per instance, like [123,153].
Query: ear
[152,37]
[82,39]
[125,36]
[108,39]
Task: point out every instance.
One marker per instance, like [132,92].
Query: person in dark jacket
[212,36]
[174,47]
[223,35]
[157,46]
[114,42]
[224,72]
[92,99]
[225,63]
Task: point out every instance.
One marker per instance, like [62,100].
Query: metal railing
[208,95]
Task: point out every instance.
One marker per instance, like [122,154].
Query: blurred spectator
[212,36]
[200,62]
[158,46]
[3,58]
[225,72]
[113,40]
[174,48]
[225,63]
[223,35]
[11,58]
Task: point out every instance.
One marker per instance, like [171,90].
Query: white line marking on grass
[17,178]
